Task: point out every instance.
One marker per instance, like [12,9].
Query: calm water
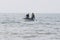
[14,27]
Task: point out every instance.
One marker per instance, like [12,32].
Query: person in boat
[27,16]
[33,16]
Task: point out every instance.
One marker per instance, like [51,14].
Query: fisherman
[33,16]
[27,16]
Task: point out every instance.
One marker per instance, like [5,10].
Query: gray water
[44,27]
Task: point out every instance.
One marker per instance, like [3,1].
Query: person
[27,16]
[33,16]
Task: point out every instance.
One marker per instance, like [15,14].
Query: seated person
[27,16]
[33,16]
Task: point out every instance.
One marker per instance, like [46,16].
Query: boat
[30,19]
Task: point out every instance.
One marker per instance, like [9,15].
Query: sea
[13,26]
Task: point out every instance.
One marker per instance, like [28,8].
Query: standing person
[33,16]
[27,16]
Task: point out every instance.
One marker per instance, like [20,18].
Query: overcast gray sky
[25,6]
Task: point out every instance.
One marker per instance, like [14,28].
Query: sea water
[13,26]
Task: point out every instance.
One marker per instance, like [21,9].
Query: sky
[29,6]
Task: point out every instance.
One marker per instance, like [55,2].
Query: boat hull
[29,19]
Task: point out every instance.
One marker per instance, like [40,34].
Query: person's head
[32,13]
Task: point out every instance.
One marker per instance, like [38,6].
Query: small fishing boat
[30,19]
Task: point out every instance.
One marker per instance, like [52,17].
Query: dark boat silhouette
[30,19]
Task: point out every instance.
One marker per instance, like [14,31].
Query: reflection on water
[45,27]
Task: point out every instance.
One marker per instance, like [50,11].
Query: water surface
[14,27]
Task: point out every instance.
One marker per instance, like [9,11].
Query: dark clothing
[33,16]
[27,16]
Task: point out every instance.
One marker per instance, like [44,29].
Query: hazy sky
[25,6]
